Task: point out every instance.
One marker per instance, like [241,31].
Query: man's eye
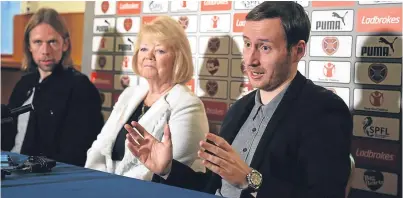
[265,48]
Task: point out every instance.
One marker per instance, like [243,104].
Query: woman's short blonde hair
[169,32]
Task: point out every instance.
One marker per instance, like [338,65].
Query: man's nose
[251,57]
[45,48]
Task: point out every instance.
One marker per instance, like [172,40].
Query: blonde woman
[163,58]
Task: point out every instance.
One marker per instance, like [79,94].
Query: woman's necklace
[142,110]
[144,102]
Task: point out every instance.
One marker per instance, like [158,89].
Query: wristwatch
[254,179]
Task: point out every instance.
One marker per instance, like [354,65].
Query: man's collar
[56,71]
[258,99]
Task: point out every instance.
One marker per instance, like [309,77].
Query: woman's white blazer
[180,107]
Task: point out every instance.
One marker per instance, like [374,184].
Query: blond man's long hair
[52,18]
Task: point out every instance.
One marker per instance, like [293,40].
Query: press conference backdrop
[355,50]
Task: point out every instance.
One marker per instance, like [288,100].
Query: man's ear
[300,50]
[66,44]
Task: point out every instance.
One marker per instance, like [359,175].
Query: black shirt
[119,148]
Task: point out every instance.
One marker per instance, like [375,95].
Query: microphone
[8,115]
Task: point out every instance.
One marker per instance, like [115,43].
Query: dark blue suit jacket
[304,151]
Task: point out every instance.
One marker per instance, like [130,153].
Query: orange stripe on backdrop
[128,7]
[238,22]
[379,19]
[216,5]
[148,19]
[333,3]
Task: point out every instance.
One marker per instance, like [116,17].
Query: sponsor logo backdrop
[355,50]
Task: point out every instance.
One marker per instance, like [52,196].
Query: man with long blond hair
[67,106]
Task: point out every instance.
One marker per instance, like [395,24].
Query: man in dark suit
[67,107]
[289,138]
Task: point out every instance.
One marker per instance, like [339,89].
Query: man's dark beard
[280,74]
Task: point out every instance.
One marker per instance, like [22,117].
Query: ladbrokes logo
[215,110]
[375,155]
[239,22]
[102,80]
[336,20]
[332,3]
[216,5]
[148,19]
[375,152]
[379,19]
[128,7]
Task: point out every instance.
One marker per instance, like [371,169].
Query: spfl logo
[373,179]
[155,6]
[374,131]
[377,72]
[250,4]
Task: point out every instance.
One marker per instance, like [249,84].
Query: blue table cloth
[68,181]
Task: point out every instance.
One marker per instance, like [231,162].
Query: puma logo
[383,40]
[334,14]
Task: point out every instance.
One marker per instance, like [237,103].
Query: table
[68,181]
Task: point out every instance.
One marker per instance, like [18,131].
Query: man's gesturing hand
[224,161]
